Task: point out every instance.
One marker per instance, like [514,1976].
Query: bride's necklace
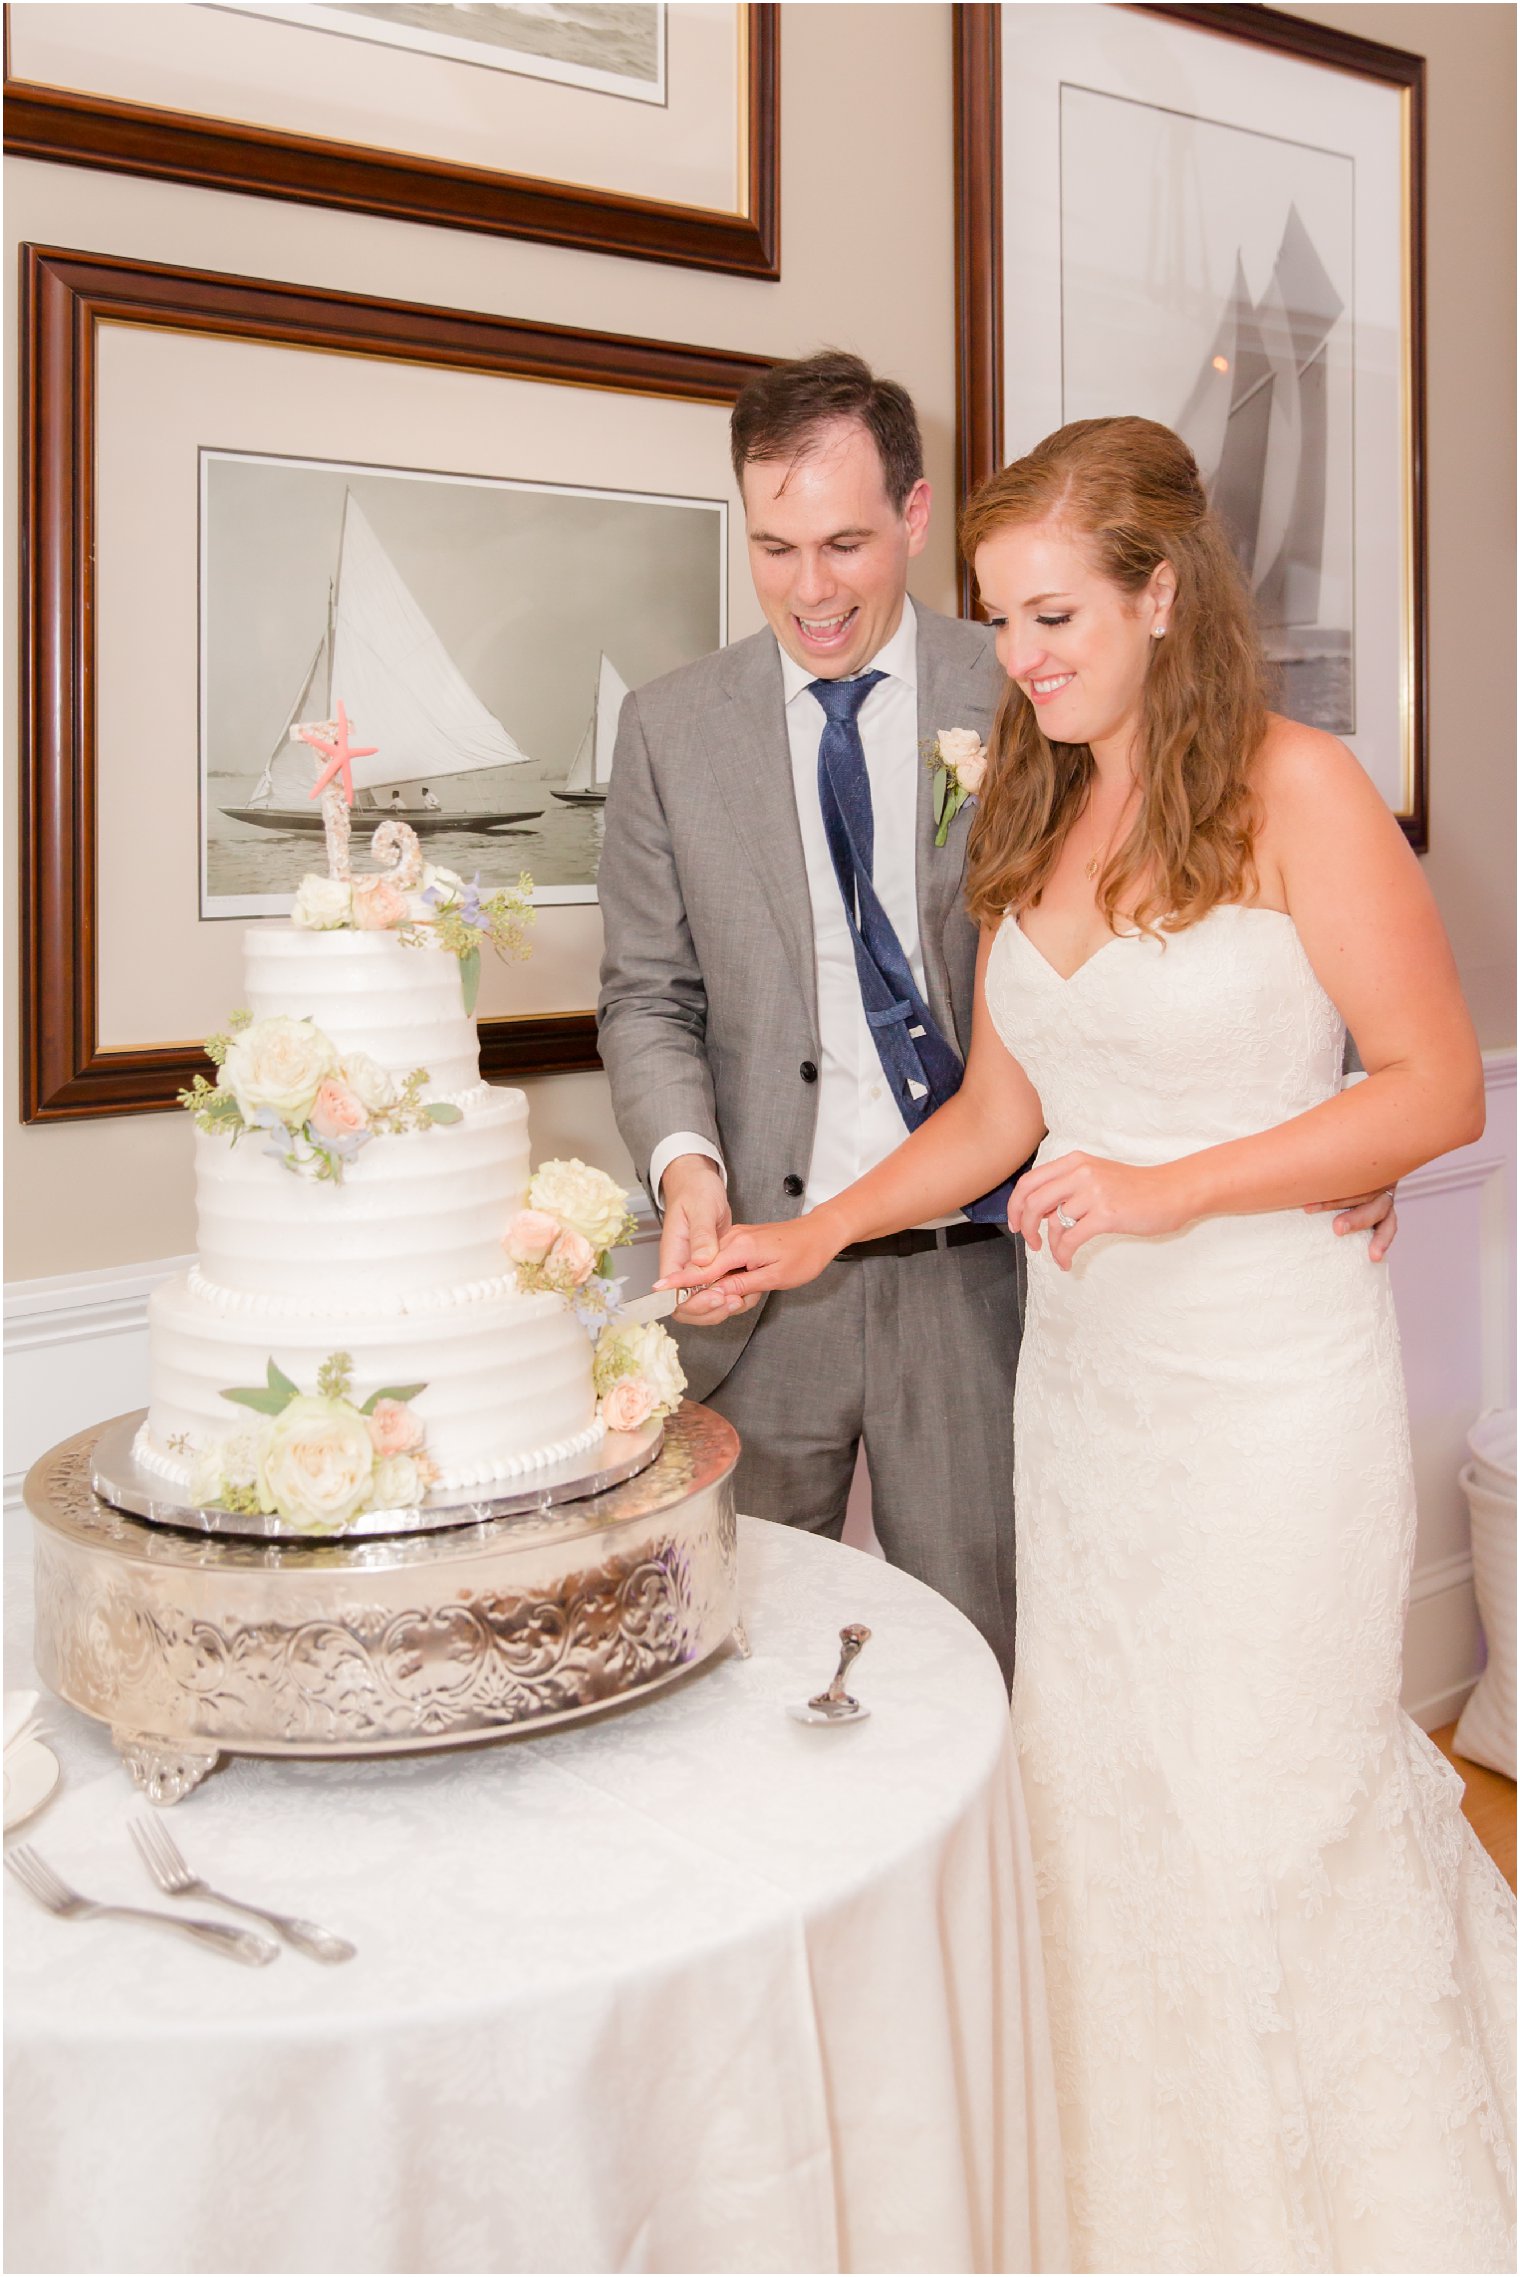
[1091,868]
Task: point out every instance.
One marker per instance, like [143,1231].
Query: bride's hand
[755,1258]
[1081,1196]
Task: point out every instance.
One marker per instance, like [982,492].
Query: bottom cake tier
[505,1381]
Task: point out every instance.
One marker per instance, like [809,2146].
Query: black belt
[919,1238]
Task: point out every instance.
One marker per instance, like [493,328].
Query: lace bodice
[1159,1045]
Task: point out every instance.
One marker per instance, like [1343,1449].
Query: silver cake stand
[191,1644]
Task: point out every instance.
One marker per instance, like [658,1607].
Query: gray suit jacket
[709,1005]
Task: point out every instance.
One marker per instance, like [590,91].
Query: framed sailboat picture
[1211,216]
[469,627]
[247,505]
[631,127]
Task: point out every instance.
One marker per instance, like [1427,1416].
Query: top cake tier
[368,992]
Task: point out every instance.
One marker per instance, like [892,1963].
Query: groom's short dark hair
[779,415]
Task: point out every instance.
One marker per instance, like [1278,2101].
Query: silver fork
[161,1855]
[38,1879]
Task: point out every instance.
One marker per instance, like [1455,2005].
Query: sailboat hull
[582,798]
[424,821]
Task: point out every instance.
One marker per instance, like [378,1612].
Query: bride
[1278,1961]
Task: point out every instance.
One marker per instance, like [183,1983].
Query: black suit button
[808,1072]
[791,1183]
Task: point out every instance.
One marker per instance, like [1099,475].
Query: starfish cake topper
[338,752]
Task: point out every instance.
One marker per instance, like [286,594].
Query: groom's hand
[697,1220]
[1366,1213]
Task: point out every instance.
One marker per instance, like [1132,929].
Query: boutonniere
[957,759]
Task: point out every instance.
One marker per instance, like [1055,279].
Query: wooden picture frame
[66,297]
[70,128]
[984,313]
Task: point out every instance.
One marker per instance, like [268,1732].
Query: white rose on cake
[594,1204]
[644,1350]
[322,904]
[397,1483]
[277,1063]
[368,1080]
[317,1463]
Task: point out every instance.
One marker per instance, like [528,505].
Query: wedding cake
[386,1305]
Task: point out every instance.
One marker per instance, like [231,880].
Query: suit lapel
[945,699]
[752,759]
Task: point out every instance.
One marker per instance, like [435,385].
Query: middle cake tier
[416,1221]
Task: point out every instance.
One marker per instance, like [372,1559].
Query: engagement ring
[1063,1219]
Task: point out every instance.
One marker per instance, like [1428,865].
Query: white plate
[31,1774]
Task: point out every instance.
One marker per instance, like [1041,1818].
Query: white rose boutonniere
[957,759]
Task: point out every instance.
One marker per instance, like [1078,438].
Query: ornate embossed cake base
[191,1646]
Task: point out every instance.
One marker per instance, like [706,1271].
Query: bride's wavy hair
[1129,491]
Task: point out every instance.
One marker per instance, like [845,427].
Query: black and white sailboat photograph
[468,627]
[1208,281]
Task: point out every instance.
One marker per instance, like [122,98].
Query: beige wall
[867,259]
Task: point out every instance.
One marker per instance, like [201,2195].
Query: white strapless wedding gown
[1280,1966]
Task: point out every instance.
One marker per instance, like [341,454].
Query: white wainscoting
[76,1351]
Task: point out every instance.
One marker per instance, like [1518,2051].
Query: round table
[690,1987]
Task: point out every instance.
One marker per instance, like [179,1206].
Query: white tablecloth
[689,1988]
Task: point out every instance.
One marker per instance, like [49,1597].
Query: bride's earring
[1157,631]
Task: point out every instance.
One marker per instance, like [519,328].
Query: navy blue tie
[921,1067]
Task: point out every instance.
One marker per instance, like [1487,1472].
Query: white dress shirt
[858,1119]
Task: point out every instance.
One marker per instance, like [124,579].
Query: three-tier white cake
[397,1262]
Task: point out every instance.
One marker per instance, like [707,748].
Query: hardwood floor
[1489,1803]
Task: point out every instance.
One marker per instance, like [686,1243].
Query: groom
[746,1080]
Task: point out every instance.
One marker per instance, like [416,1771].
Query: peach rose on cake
[316,1463]
[278,1063]
[530,1236]
[337,1112]
[394,1428]
[378,904]
[570,1263]
[629,1404]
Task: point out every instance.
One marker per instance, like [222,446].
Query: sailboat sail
[591,768]
[1256,423]
[393,675]
[611,688]
[279,763]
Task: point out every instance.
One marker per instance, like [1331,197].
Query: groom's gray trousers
[915,1357]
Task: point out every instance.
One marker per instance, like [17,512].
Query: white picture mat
[350,22]
[1187,72]
[164,976]
[214,63]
